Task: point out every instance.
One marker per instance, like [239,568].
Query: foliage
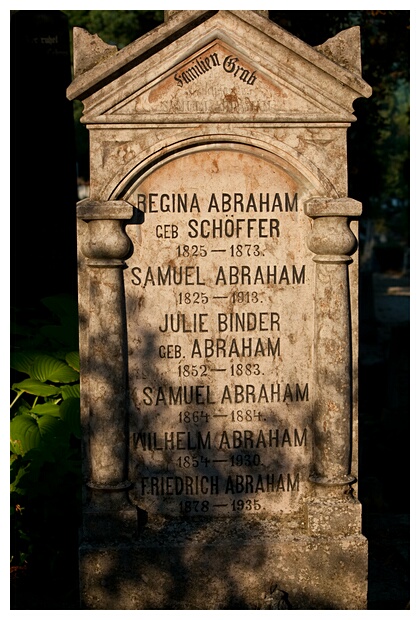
[116,27]
[45,434]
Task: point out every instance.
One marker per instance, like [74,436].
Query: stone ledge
[303,573]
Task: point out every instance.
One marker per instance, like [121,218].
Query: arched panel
[293,162]
[219,300]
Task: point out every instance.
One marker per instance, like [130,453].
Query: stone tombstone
[218,319]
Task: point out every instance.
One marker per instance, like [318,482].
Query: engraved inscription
[201,65]
[219,302]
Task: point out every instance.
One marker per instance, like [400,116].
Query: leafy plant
[45,434]
[55,408]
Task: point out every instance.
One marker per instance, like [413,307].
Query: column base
[332,517]
[331,482]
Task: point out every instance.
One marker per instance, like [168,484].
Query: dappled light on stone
[218,276]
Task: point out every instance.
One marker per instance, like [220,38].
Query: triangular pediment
[217,81]
[231,66]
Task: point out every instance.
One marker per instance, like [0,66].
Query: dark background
[50,171]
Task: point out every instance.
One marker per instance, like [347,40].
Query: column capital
[332,207]
[331,238]
[107,245]
[89,210]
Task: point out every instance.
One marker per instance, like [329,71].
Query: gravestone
[218,319]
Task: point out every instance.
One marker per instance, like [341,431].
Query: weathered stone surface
[232,300]
[218,312]
[89,50]
[226,565]
[285,67]
[344,49]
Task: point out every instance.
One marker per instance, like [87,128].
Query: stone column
[105,248]
[333,511]
[332,241]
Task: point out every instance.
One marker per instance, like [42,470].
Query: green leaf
[28,433]
[24,434]
[50,428]
[47,409]
[69,391]
[23,407]
[18,471]
[33,386]
[15,465]
[47,368]
[73,360]
[22,361]
[70,414]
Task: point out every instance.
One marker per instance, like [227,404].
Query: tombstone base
[226,564]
